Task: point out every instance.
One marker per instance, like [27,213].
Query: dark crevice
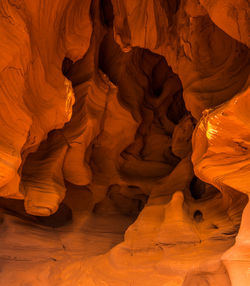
[106,13]
[15,208]
[150,90]
[177,109]
[201,190]
[122,200]
[197,188]
[198,216]
[66,66]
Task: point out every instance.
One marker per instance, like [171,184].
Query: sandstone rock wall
[125,138]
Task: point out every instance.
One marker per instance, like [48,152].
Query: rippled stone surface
[124,147]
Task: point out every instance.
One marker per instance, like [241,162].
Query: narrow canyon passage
[124,147]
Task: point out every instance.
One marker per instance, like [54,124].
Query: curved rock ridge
[221,157]
[35,37]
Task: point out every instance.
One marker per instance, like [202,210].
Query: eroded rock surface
[124,147]
[223,160]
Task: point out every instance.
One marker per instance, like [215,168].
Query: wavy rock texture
[205,57]
[125,138]
[224,161]
[32,84]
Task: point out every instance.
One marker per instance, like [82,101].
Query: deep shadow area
[13,207]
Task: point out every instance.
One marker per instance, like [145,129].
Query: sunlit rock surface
[124,147]
[221,157]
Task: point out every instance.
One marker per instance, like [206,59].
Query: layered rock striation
[124,148]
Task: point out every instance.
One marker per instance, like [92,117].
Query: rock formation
[124,148]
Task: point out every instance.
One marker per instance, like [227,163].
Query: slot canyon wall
[125,143]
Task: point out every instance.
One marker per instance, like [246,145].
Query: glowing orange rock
[221,157]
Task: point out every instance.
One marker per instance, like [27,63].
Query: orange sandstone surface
[125,143]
